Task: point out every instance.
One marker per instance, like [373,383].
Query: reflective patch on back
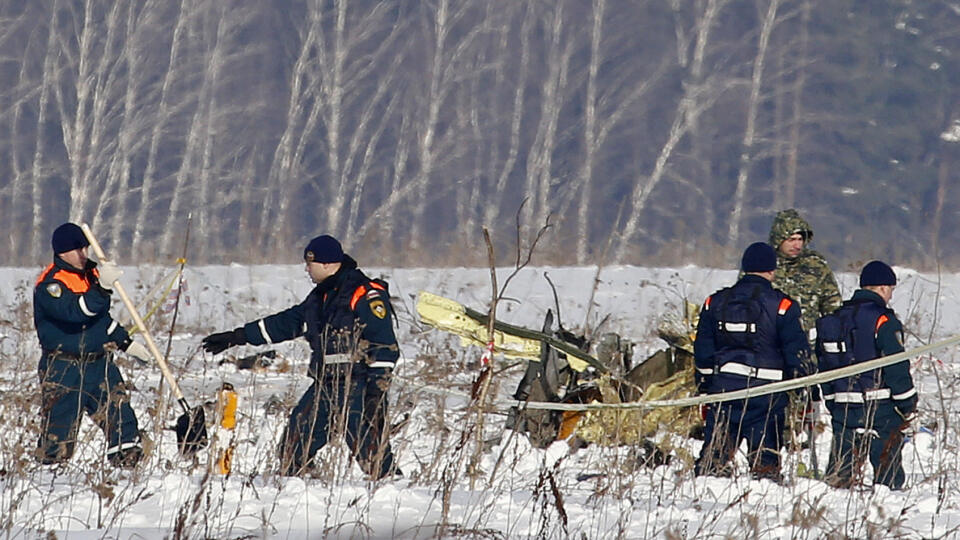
[54,290]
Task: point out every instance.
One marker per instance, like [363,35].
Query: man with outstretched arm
[71,304]
[346,319]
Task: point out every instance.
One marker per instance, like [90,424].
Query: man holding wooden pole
[71,303]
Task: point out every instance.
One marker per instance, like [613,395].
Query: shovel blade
[191,432]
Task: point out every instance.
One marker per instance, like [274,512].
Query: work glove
[907,415]
[906,408]
[138,351]
[109,272]
[221,341]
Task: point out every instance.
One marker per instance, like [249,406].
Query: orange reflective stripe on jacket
[362,290]
[784,306]
[43,275]
[880,322]
[71,280]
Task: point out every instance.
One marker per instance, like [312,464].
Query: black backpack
[841,343]
[740,320]
[836,344]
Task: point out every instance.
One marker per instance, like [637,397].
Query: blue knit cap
[68,237]
[877,273]
[759,257]
[323,249]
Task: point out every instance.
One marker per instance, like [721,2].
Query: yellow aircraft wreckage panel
[450,316]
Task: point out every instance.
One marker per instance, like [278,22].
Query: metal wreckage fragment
[560,369]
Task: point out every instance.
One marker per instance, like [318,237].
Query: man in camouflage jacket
[803,275]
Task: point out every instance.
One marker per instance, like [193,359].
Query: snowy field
[518,492]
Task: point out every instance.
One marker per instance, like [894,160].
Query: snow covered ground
[520,491]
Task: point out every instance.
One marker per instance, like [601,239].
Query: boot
[126,458]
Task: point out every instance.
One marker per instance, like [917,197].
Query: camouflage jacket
[806,278]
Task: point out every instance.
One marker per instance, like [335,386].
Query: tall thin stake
[483,380]
[161,395]
[176,309]
[176,305]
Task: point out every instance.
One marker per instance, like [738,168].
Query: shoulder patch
[54,290]
[378,308]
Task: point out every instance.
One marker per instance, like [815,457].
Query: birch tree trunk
[590,135]
[100,180]
[157,131]
[119,220]
[11,212]
[302,114]
[746,155]
[48,81]
[499,191]
[208,175]
[540,160]
[948,149]
[333,58]
[793,154]
[187,188]
[693,102]
[427,130]
[74,126]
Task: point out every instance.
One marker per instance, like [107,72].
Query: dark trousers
[92,384]
[760,423]
[874,435]
[352,400]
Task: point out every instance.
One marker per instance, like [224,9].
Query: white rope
[756,391]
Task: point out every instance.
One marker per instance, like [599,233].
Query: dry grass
[433,440]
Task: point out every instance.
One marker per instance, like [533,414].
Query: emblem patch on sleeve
[54,290]
[378,308]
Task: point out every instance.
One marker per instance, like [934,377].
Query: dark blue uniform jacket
[749,335]
[872,331]
[71,312]
[346,319]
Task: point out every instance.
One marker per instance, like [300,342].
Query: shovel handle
[151,345]
[183,403]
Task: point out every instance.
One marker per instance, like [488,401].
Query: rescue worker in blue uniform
[71,303]
[748,335]
[346,319]
[868,411]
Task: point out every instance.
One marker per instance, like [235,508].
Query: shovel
[191,425]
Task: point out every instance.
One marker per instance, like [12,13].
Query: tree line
[643,132]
